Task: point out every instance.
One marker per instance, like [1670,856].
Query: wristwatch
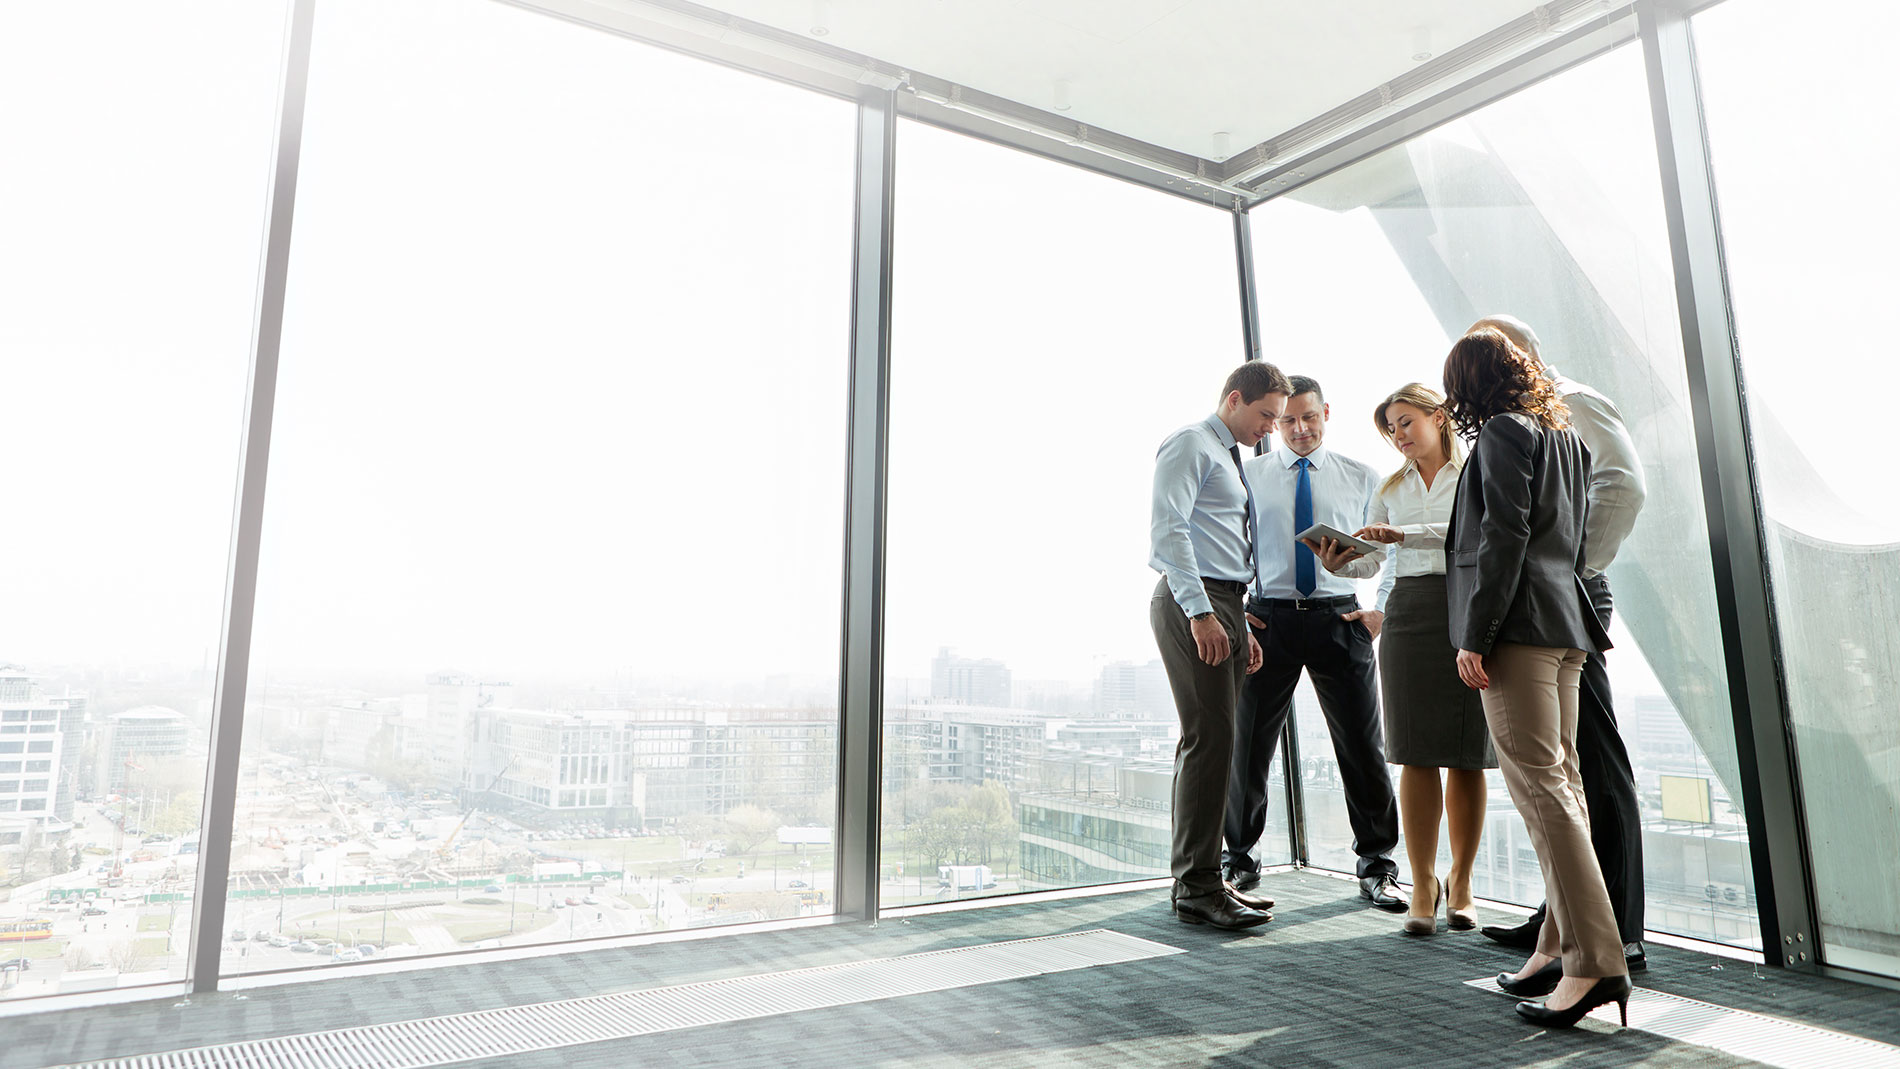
[1204,616]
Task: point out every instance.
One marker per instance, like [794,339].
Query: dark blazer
[1514,554]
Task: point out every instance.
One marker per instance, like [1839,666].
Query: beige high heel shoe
[1428,924]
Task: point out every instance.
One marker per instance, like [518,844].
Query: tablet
[1321,531]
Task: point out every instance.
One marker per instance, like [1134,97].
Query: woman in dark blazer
[1521,619]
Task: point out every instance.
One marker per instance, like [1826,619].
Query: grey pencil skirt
[1431,718]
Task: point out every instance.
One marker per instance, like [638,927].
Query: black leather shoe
[1243,879]
[1609,989]
[1634,958]
[1384,893]
[1520,936]
[1536,985]
[1250,901]
[1219,911]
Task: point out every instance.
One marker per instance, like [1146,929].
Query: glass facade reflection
[1798,244]
[1545,206]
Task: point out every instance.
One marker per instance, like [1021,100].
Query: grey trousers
[1205,698]
[1531,706]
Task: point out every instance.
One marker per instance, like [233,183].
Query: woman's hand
[1380,532]
[1333,556]
[1471,670]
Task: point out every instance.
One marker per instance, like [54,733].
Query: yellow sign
[1685,798]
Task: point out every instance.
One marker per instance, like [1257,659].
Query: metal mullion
[1771,796]
[1249,299]
[240,600]
[861,677]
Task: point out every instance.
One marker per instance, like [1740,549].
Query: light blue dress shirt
[1343,491]
[1200,506]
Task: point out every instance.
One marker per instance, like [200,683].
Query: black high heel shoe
[1540,983]
[1609,989]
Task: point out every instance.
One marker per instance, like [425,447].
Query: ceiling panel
[1175,73]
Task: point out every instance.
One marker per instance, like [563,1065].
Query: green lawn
[35,949]
[154,922]
[152,946]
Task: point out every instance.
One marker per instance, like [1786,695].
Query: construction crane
[442,852]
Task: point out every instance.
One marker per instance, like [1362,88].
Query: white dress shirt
[1616,475]
[1343,490]
[1199,506]
[1423,516]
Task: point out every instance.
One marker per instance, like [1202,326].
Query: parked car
[92,911]
[368,950]
[492,889]
[347,954]
[798,883]
[239,935]
[260,936]
[11,964]
[304,946]
[280,941]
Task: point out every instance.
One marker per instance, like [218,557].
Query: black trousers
[1337,654]
[1609,785]
[1204,697]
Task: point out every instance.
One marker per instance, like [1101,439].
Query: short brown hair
[1256,379]
[1487,374]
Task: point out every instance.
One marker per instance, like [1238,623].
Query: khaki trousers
[1531,707]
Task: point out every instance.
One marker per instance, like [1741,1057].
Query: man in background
[1609,783]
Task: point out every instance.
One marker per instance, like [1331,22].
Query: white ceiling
[1174,73]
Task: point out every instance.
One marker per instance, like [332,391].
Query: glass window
[132,204]
[557,468]
[1805,245]
[1546,206]
[1050,328]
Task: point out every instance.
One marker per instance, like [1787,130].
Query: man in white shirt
[1201,541]
[1308,618]
[1609,783]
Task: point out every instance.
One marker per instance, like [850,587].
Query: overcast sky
[564,363]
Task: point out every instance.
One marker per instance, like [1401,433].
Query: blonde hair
[1419,396]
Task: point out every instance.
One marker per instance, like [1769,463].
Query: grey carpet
[1328,983]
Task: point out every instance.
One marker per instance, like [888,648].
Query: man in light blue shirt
[1202,544]
[1307,618]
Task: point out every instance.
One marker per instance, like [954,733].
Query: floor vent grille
[1756,1036]
[547,1025]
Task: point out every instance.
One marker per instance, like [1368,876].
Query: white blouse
[1423,515]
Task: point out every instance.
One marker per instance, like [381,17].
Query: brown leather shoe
[1250,901]
[1219,911]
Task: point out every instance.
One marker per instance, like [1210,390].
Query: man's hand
[1331,554]
[1471,670]
[1256,621]
[1372,618]
[1255,658]
[1380,532]
[1210,639]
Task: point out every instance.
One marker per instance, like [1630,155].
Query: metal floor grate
[547,1025]
[1757,1036]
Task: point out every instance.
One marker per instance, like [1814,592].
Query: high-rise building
[969,680]
[454,699]
[1129,691]
[145,732]
[40,740]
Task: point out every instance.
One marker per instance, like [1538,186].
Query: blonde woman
[1434,724]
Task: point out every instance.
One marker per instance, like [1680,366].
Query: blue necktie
[1305,576]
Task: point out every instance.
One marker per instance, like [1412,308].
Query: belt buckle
[1303,604]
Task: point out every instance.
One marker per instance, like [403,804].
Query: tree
[747,826]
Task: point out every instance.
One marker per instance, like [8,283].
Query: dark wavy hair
[1486,374]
